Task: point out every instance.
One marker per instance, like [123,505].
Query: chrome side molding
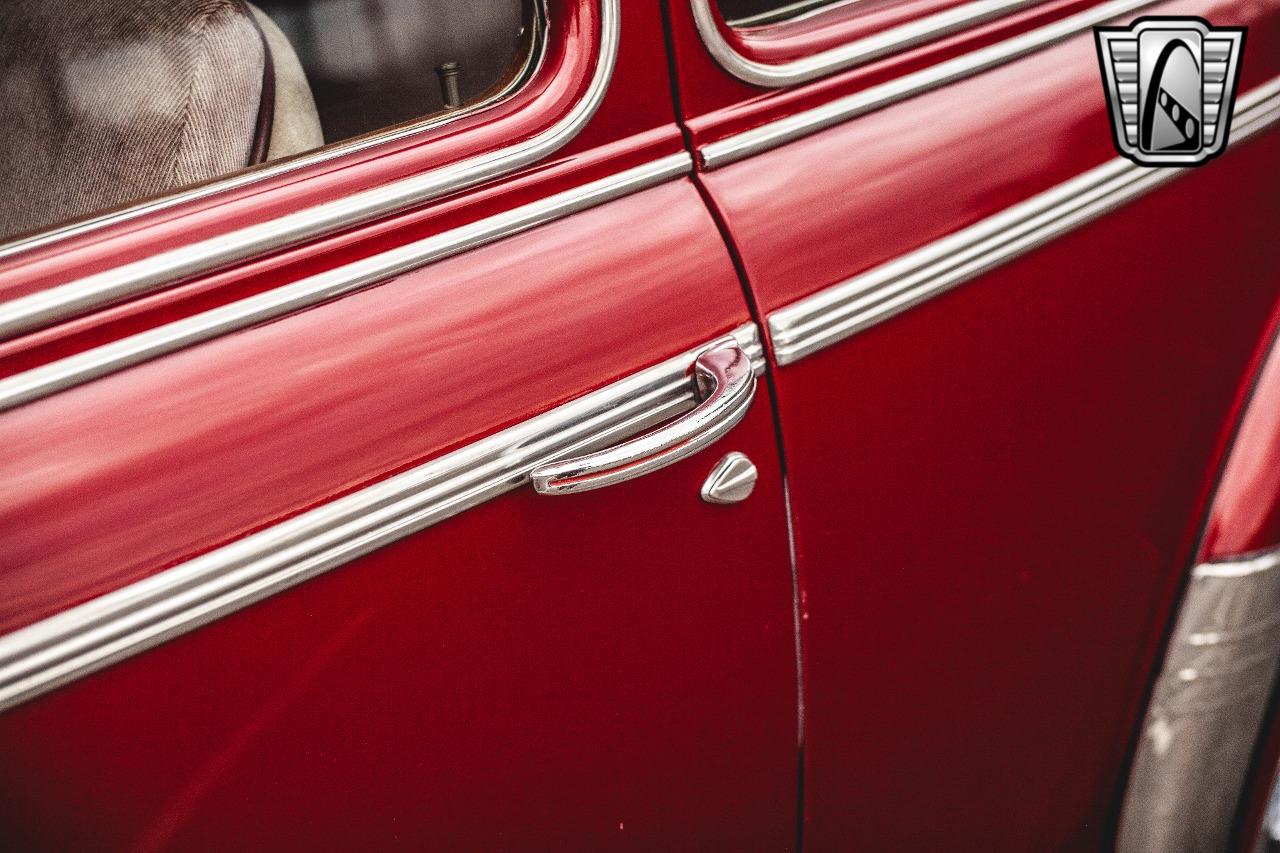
[123,623]
[846,55]
[724,381]
[1206,712]
[848,307]
[27,313]
[109,358]
[773,134]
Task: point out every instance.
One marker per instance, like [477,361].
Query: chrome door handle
[725,382]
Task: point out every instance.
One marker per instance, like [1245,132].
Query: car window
[750,13]
[104,102]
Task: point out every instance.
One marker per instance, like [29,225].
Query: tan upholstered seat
[296,123]
[103,102]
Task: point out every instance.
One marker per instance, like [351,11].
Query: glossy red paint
[274,270]
[919,170]
[721,105]
[613,670]
[563,666]
[1246,508]
[369,384]
[824,28]
[609,670]
[570,60]
[1035,521]
[997,494]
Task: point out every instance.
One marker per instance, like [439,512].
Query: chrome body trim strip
[857,52]
[100,361]
[1206,711]
[122,623]
[1238,568]
[848,307]
[773,134]
[26,313]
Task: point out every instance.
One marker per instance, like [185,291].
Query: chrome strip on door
[846,308]
[846,55]
[46,307]
[122,623]
[802,124]
[106,359]
[1206,713]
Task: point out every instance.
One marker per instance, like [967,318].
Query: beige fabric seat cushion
[295,125]
[103,102]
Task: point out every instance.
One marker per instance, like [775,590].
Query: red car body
[936,622]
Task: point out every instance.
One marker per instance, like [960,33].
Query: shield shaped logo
[1171,86]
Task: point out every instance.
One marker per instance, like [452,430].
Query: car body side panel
[616,666]
[537,673]
[609,670]
[997,493]
[1246,507]
[1026,483]
[370,384]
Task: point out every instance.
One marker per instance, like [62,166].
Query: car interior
[106,103]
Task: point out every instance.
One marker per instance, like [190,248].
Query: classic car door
[273,571]
[1006,366]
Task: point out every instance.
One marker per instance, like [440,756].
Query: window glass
[750,13]
[105,102]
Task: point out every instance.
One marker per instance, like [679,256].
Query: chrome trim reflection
[773,134]
[109,358]
[122,623]
[849,307]
[1238,568]
[731,481]
[27,313]
[1206,711]
[724,379]
[804,69]
[800,10]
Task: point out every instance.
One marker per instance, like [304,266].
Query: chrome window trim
[46,307]
[789,13]
[848,307]
[122,623]
[775,133]
[39,382]
[856,52]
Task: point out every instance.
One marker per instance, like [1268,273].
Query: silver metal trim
[731,481]
[1206,712]
[846,308]
[773,134]
[799,11]
[724,378]
[24,314]
[1238,568]
[857,52]
[122,623]
[109,358]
